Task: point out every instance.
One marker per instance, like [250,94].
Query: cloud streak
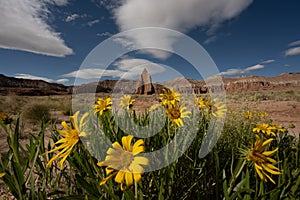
[24,27]
[178,15]
[32,77]
[72,17]
[292,51]
[126,68]
[267,61]
[295,43]
[234,71]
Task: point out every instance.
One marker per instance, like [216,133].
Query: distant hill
[27,87]
[241,83]
[15,86]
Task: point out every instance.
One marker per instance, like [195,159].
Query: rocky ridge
[17,86]
[144,85]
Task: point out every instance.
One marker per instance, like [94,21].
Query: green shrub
[37,112]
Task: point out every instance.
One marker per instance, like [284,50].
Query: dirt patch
[284,113]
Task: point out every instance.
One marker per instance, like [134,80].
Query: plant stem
[135,190]
[235,177]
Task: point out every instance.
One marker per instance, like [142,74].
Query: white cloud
[267,61]
[133,67]
[255,67]
[104,34]
[210,39]
[235,71]
[292,51]
[32,77]
[63,80]
[295,43]
[174,14]
[24,27]
[126,68]
[72,17]
[92,23]
[93,73]
[230,72]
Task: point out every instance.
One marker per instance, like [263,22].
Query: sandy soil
[285,113]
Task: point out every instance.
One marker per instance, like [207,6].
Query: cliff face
[16,86]
[258,83]
[238,84]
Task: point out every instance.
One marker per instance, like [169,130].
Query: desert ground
[283,107]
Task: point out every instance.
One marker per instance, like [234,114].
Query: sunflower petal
[137,177]
[271,171]
[136,168]
[269,177]
[81,124]
[128,178]
[2,174]
[141,160]
[259,172]
[74,120]
[116,145]
[120,176]
[103,181]
[138,143]
[268,153]
[66,126]
[126,141]
[138,150]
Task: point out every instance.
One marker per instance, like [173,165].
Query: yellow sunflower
[176,113]
[217,108]
[102,105]
[201,103]
[70,138]
[169,96]
[262,162]
[2,174]
[123,162]
[264,128]
[126,102]
[248,114]
[3,116]
[278,128]
[213,107]
[262,115]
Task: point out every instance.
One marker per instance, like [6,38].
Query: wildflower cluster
[258,153]
[212,107]
[121,161]
[112,163]
[175,110]
[255,115]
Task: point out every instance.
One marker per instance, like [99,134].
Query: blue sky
[50,39]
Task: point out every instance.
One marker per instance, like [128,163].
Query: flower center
[257,157]
[126,158]
[74,134]
[175,113]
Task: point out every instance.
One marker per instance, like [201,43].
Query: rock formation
[144,84]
